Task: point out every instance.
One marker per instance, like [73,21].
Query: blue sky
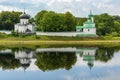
[78,8]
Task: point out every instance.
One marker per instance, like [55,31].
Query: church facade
[88,29]
[24,26]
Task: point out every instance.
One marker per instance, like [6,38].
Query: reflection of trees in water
[106,53]
[8,61]
[51,61]
[54,60]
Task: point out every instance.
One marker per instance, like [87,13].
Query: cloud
[76,7]
[8,8]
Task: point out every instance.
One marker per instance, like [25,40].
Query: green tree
[31,20]
[70,22]
[50,22]
[80,21]
[8,19]
[54,22]
[38,19]
[104,24]
[117,26]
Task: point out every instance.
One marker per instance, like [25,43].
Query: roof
[90,15]
[24,16]
[89,26]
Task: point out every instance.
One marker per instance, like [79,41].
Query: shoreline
[60,42]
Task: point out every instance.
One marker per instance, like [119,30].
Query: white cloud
[77,7]
[9,8]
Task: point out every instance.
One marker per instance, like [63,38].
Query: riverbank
[34,40]
[26,42]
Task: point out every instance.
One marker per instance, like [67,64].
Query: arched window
[88,29]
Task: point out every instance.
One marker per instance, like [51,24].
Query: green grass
[9,40]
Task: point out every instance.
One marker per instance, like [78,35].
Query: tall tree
[70,21]
[8,19]
[104,24]
[38,19]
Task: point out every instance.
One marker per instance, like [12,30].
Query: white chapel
[24,26]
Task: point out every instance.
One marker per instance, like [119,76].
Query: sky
[79,8]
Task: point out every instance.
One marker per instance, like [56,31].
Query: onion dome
[90,15]
[24,16]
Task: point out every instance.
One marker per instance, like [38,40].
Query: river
[59,63]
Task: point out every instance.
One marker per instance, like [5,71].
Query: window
[81,30]
[88,29]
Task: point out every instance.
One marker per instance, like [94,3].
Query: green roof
[79,26]
[90,26]
[90,15]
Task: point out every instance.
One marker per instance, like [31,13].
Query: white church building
[24,26]
[88,29]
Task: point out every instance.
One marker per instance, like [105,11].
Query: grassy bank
[26,42]
[9,40]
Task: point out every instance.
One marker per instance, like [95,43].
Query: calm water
[64,63]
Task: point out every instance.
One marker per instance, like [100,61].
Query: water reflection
[88,55]
[68,63]
[47,59]
[24,57]
[55,60]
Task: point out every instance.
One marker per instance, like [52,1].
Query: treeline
[8,19]
[49,21]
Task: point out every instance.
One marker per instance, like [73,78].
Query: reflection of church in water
[88,55]
[24,56]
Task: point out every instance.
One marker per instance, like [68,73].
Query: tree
[70,22]
[80,21]
[54,22]
[50,22]
[104,24]
[38,19]
[8,19]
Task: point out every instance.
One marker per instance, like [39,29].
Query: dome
[24,16]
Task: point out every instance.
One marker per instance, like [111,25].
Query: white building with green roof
[88,29]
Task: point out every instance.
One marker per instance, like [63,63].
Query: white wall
[16,27]
[51,33]
[23,21]
[31,27]
[58,33]
[22,29]
[89,30]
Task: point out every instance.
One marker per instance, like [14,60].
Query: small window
[81,30]
[88,29]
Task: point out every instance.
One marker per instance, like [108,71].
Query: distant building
[24,26]
[88,29]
